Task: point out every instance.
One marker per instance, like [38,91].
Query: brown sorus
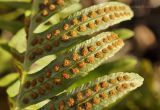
[100,11]
[45,13]
[105,39]
[48,86]
[107,10]
[92,14]
[105,18]
[112,16]
[75,21]
[52,7]
[57,81]
[88,92]
[82,28]
[75,70]
[119,88]
[126,77]
[60,2]
[65,75]
[112,81]
[104,84]
[91,25]
[61,105]
[48,47]
[66,62]
[66,26]
[112,92]
[65,38]
[70,102]
[103,95]
[98,43]
[96,100]
[88,105]
[79,96]
[120,78]
[34,82]
[75,56]
[34,95]
[49,35]
[96,88]
[56,32]
[73,33]
[83,18]
[125,85]
[105,50]
[99,55]
[90,59]
[98,21]
[48,74]
[79,108]
[45,2]
[82,64]
[38,51]
[110,47]
[56,68]
[84,51]
[41,91]
[35,41]
[91,48]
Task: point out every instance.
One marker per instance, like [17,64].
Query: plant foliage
[70,76]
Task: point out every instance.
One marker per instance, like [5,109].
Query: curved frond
[76,26]
[68,68]
[97,94]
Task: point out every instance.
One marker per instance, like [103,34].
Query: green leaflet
[19,45]
[44,9]
[37,106]
[8,79]
[124,33]
[70,31]
[56,18]
[13,90]
[68,68]
[5,59]
[38,65]
[97,94]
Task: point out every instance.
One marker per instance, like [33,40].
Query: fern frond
[96,94]
[44,9]
[72,29]
[68,68]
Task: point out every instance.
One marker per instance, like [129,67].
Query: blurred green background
[141,53]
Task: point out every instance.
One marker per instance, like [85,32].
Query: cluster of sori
[47,7]
[85,23]
[94,94]
[73,63]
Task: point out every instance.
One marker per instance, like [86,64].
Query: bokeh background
[143,49]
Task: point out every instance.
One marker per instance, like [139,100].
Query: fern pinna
[78,50]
